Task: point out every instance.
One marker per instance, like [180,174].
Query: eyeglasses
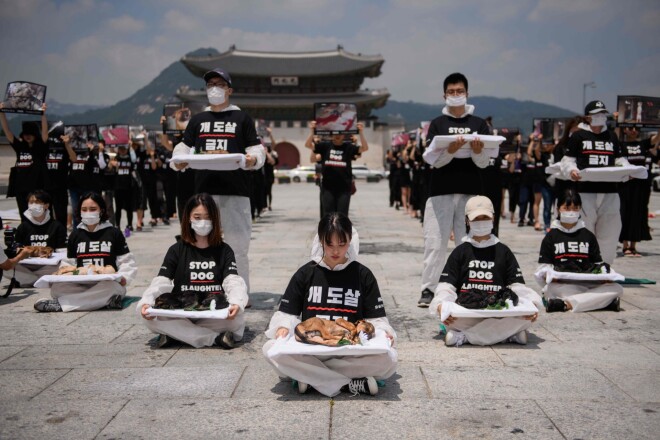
[218,84]
[455,92]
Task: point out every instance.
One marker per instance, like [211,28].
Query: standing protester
[124,165]
[539,154]
[87,162]
[594,146]
[635,194]
[405,177]
[148,164]
[560,151]
[185,179]
[337,156]
[526,190]
[57,176]
[167,178]
[269,167]
[391,156]
[226,129]
[31,151]
[108,183]
[453,180]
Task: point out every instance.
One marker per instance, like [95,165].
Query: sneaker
[530,222]
[127,232]
[614,306]
[519,338]
[115,302]
[166,222]
[454,337]
[365,385]
[426,298]
[555,305]
[47,305]
[225,340]
[521,223]
[163,341]
[302,387]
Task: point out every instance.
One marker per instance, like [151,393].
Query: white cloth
[215,162]
[440,144]
[328,374]
[84,297]
[198,332]
[602,216]
[236,221]
[441,215]
[562,170]
[584,296]
[27,275]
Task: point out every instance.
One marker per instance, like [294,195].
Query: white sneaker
[302,387]
[519,338]
[454,337]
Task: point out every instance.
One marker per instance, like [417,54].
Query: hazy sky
[98,52]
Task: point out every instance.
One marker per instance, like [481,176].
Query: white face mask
[481,228]
[201,227]
[90,218]
[599,120]
[216,95]
[569,217]
[456,101]
[36,209]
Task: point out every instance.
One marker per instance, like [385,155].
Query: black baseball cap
[218,73]
[595,107]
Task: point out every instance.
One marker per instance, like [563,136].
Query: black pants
[124,200]
[60,203]
[21,201]
[185,189]
[152,197]
[335,202]
[169,186]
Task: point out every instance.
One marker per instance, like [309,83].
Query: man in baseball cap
[592,108]
[218,73]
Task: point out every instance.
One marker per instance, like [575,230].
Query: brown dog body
[39,251]
[324,332]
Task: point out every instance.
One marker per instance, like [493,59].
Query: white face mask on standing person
[90,218]
[216,95]
[201,227]
[599,120]
[456,101]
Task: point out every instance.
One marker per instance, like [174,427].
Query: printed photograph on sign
[512,142]
[558,127]
[335,118]
[155,139]
[79,136]
[115,134]
[24,97]
[543,127]
[136,132]
[424,125]
[638,111]
[55,129]
[177,117]
[261,126]
[93,133]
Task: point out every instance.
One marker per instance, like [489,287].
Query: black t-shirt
[125,166]
[638,153]
[559,247]
[94,170]
[460,176]
[337,165]
[198,270]
[147,173]
[30,164]
[489,269]
[51,233]
[57,163]
[100,247]
[592,150]
[79,174]
[351,293]
[228,131]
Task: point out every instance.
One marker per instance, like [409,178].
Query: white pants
[328,374]
[442,213]
[82,297]
[602,216]
[236,222]
[27,275]
[197,332]
[584,296]
[489,331]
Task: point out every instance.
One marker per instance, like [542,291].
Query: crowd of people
[456,196]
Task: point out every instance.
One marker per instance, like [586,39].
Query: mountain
[62,109]
[506,112]
[144,107]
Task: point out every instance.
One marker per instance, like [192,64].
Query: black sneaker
[115,302]
[426,298]
[614,306]
[47,305]
[521,223]
[225,340]
[365,385]
[555,305]
[163,341]
[530,222]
